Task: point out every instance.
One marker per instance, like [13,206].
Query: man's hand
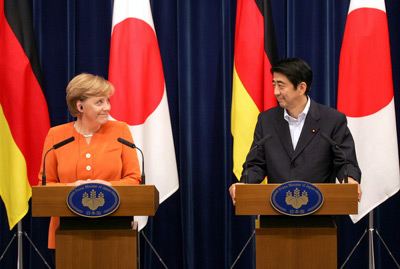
[232,192]
[353,181]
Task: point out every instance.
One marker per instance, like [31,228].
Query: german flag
[24,119]
[255,53]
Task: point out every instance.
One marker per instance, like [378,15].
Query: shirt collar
[302,115]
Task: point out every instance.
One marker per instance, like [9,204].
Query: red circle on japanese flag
[135,71]
[365,74]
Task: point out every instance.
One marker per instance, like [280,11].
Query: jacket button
[293,165]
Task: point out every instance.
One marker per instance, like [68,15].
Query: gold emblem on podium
[295,199]
[94,201]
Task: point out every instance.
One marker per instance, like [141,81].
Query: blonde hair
[83,86]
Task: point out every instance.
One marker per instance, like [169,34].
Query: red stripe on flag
[367,53]
[134,46]
[269,96]
[251,62]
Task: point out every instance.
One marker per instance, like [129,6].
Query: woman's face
[96,109]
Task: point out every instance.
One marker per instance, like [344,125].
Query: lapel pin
[313,131]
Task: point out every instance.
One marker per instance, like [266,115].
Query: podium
[106,242]
[296,241]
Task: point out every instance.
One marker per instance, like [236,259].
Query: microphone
[56,146]
[63,143]
[257,145]
[131,145]
[336,145]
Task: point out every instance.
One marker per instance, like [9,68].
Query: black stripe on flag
[270,45]
[19,16]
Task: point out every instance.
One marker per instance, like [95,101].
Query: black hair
[296,70]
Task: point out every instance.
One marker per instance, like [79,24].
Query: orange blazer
[104,158]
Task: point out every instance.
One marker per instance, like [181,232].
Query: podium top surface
[254,199]
[136,200]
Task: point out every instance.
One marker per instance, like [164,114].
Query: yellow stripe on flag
[15,190]
[244,120]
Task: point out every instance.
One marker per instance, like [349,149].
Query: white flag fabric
[140,97]
[365,95]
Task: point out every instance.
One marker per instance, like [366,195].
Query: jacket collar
[309,131]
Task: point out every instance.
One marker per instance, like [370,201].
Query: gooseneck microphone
[131,145]
[56,146]
[336,145]
[257,145]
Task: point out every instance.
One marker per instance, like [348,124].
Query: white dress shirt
[296,125]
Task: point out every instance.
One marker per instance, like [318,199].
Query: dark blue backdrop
[196,227]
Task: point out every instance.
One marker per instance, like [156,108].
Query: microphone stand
[245,179]
[335,145]
[131,145]
[154,250]
[245,175]
[245,246]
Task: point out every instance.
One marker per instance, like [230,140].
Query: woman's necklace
[85,136]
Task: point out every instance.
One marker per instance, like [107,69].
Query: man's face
[286,94]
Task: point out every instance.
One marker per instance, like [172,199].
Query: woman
[95,155]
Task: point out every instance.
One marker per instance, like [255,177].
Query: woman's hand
[100,181]
[80,182]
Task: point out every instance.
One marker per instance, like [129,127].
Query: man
[294,147]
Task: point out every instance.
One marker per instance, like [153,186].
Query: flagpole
[19,234]
[20,262]
[371,254]
[371,240]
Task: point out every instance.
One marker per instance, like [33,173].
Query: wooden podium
[106,242]
[296,242]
